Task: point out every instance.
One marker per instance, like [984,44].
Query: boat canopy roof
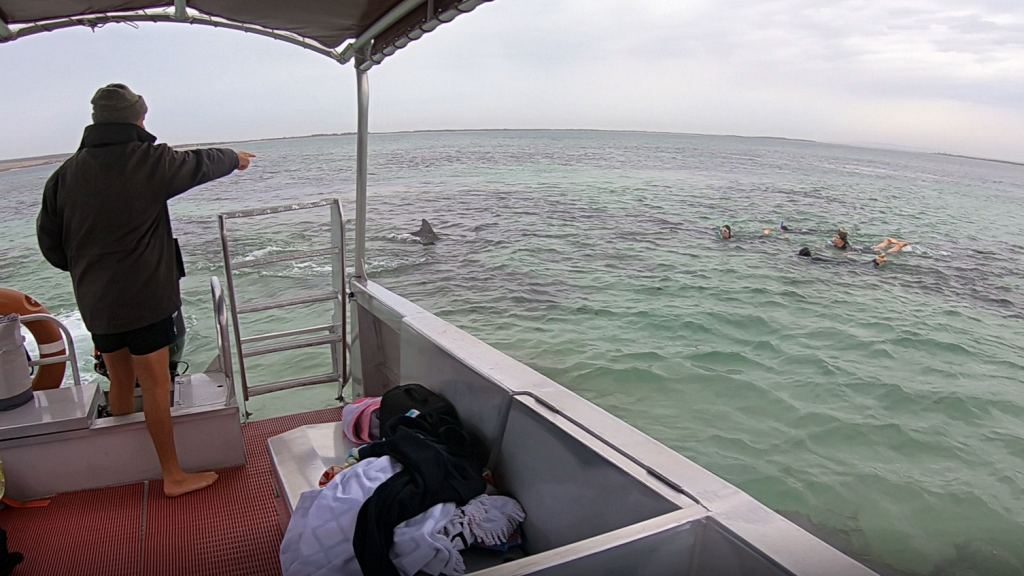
[372,29]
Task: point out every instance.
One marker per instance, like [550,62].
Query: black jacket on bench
[441,462]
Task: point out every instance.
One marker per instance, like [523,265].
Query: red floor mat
[227,529]
[81,534]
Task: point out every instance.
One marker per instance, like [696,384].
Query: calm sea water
[882,409]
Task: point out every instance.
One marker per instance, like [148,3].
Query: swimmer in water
[891,246]
[878,261]
[781,229]
[805,252]
[841,241]
[725,232]
[786,229]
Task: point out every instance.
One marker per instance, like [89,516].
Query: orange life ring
[47,335]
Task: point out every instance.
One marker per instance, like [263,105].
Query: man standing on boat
[104,219]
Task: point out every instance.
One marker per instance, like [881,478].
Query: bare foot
[188,483]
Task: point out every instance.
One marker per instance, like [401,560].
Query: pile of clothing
[409,500]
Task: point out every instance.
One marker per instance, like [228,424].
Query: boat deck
[229,528]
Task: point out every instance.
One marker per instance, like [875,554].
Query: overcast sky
[933,75]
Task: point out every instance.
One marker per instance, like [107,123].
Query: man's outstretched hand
[244,158]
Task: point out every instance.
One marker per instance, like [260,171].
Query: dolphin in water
[425,234]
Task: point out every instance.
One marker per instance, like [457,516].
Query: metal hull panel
[117,450]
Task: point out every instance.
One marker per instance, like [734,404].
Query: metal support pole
[179,10]
[5,31]
[362,137]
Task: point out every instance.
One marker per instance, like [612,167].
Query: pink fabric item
[356,418]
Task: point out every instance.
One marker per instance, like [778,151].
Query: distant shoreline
[1010,162]
[457,130]
[21,163]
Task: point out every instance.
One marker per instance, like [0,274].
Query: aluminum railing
[70,356]
[220,322]
[331,334]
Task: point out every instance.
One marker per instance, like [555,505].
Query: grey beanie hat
[117,103]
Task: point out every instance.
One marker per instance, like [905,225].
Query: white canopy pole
[362,138]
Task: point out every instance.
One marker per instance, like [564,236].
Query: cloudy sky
[930,75]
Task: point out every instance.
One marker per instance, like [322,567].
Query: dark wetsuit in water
[827,260]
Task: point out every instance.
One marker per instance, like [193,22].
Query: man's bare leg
[121,371]
[155,379]
[880,247]
[897,246]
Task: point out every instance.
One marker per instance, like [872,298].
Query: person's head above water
[725,231]
[805,252]
[879,261]
[841,240]
[117,104]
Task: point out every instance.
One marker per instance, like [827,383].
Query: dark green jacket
[104,218]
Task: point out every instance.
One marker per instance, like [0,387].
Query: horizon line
[39,160]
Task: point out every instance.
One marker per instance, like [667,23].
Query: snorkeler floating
[725,231]
[877,261]
[784,229]
[840,241]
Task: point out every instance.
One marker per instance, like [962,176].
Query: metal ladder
[332,334]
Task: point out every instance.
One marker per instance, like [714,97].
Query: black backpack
[436,419]
[434,409]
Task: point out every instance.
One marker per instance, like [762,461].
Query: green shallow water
[881,409]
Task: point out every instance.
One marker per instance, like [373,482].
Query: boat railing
[330,334]
[220,322]
[70,356]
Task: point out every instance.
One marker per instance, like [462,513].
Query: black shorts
[141,341]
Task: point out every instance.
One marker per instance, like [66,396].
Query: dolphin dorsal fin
[425,228]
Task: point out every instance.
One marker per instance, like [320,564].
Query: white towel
[318,541]
[489,520]
[419,545]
